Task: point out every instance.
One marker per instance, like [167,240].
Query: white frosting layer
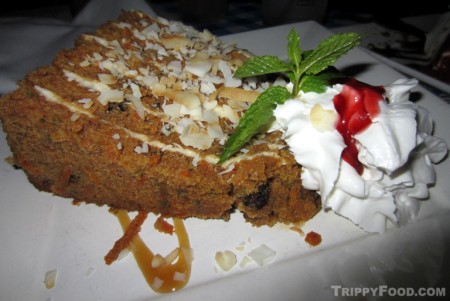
[397,151]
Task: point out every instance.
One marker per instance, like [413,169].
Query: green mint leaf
[294,50]
[305,53]
[328,52]
[260,65]
[259,114]
[318,83]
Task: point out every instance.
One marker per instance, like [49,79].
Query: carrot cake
[136,115]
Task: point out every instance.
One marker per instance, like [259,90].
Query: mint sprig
[309,71]
[258,115]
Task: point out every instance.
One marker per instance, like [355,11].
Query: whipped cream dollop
[368,151]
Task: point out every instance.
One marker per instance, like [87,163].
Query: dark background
[359,11]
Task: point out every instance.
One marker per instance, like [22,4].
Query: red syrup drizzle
[357,105]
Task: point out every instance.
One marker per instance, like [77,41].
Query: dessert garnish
[367,150]
[307,70]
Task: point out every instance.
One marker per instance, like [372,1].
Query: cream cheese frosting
[397,151]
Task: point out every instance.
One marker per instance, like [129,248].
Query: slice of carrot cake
[136,115]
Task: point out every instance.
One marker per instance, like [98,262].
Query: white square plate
[40,232]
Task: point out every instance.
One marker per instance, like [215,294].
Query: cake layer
[135,116]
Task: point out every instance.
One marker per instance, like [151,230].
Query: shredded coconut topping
[191,71]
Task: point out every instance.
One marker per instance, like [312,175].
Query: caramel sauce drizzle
[167,277]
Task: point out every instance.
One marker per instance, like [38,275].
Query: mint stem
[296,83]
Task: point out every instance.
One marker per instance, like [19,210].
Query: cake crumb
[163,226]
[313,238]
